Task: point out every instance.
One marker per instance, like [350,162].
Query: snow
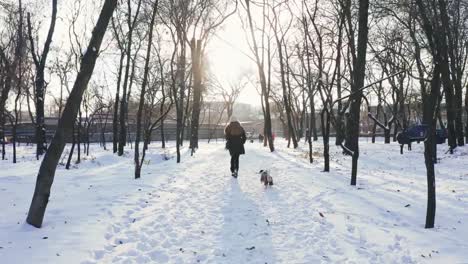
[195,212]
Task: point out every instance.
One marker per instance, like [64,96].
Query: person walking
[235,140]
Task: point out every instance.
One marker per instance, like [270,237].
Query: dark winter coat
[235,138]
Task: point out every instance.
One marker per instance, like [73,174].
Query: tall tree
[131,24]
[212,16]
[39,83]
[357,82]
[260,64]
[48,166]
[19,55]
[284,73]
[12,43]
[115,120]
[138,162]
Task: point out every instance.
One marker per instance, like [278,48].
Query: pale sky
[228,53]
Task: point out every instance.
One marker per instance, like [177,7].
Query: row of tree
[318,55]
[310,56]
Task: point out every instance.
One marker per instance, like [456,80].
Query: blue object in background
[418,133]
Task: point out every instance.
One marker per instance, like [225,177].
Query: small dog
[265,177]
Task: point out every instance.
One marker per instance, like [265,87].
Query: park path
[200,214]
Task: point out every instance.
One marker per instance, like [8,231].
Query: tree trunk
[39,83]
[180,100]
[124,102]
[459,115]
[103,130]
[46,173]
[352,126]
[6,86]
[325,121]
[70,155]
[197,62]
[286,102]
[314,120]
[163,136]
[387,136]
[429,144]
[115,120]
[449,103]
[78,136]
[13,141]
[387,129]
[137,161]
[185,115]
[263,81]
[340,135]
[2,137]
[374,127]
[19,81]
[87,139]
[466,115]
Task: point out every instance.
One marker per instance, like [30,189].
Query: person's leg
[233,163]
[237,163]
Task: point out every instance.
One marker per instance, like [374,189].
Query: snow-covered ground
[195,212]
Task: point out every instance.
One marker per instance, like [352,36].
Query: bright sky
[228,53]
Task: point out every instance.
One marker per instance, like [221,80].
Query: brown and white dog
[265,177]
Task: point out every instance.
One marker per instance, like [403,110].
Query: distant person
[235,140]
[260,138]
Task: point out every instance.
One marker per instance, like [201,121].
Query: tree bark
[429,106]
[19,79]
[115,120]
[180,99]
[124,103]
[286,102]
[137,161]
[46,173]
[72,149]
[429,145]
[78,137]
[263,81]
[39,83]
[325,121]
[359,68]
[197,62]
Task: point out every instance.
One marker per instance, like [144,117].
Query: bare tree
[138,162]
[357,82]
[46,173]
[264,77]
[63,69]
[284,73]
[11,58]
[231,90]
[39,84]
[213,15]
[19,55]
[131,25]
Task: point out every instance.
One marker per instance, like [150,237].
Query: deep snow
[195,212]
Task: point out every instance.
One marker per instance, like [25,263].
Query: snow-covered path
[201,214]
[195,212]
[204,215]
